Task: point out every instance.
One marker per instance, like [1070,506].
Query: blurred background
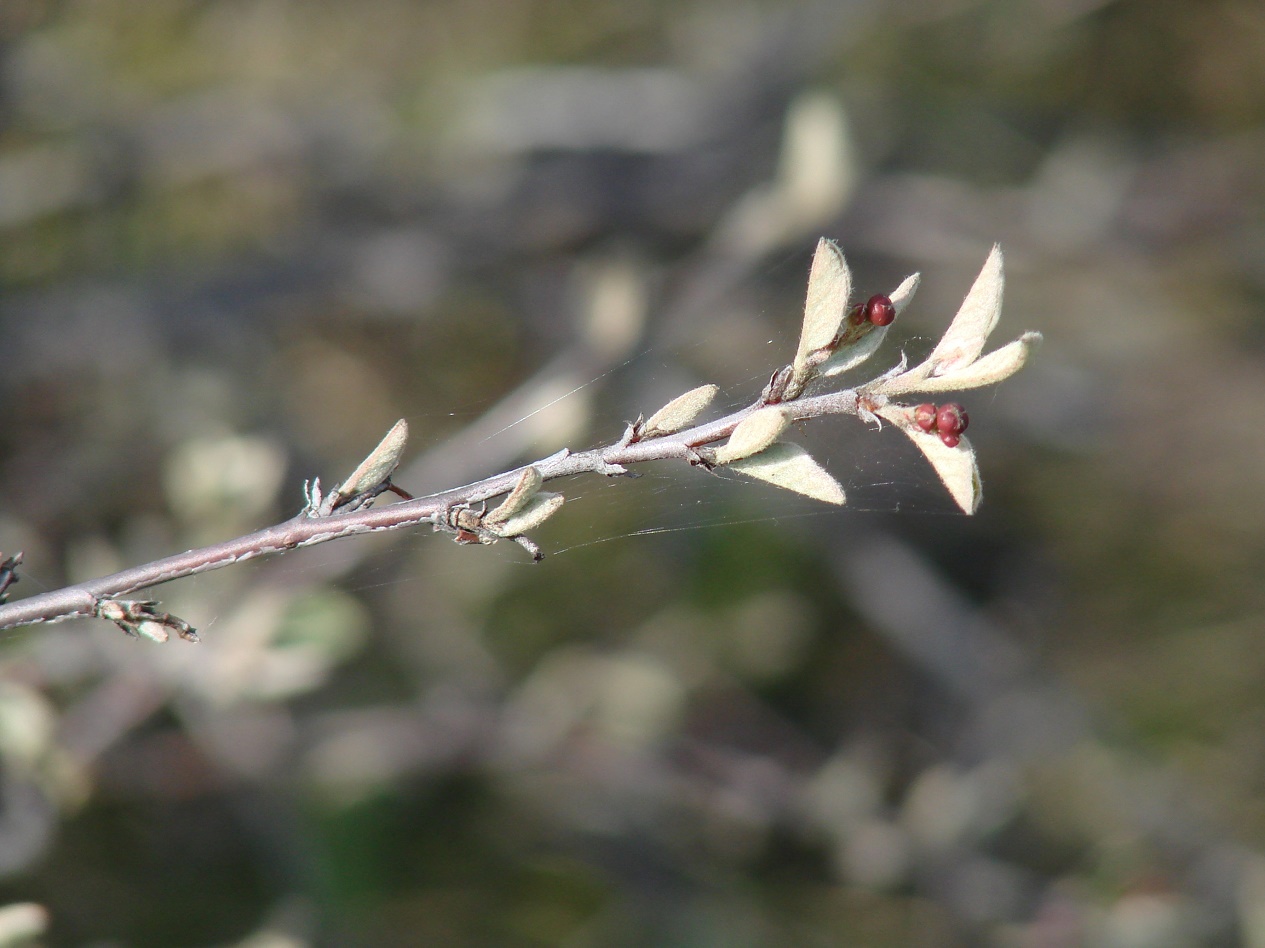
[241,237]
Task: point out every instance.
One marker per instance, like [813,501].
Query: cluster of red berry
[878,309]
[948,421]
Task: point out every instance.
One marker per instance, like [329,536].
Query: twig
[83,599]
[835,338]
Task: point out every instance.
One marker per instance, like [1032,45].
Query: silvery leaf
[829,286]
[379,465]
[754,433]
[791,467]
[679,412]
[975,319]
[528,485]
[539,508]
[849,357]
[995,367]
[901,296]
[956,466]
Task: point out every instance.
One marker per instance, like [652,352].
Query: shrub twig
[835,338]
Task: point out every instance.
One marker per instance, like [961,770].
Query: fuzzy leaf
[754,433]
[791,467]
[528,486]
[539,508]
[901,296]
[829,286]
[849,357]
[379,465]
[956,466]
[975,319]
[997,366]
[679,412]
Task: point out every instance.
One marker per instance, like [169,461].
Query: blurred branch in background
[239,235]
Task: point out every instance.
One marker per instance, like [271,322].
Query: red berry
[925,417]
[950,440]
[951,419]
[879,310]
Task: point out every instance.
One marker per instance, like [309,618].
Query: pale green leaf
[791,467]
[979,313]
[754,433]
[379,465]
[829,286]
[956,466]
[995,367]
[529,483]
[901,296]
[539,508]
[679,412]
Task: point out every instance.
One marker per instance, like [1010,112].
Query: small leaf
[754,433]
[849,357]
[997,366]
[829,285]
[539,508]
[791,467]
[975,319]
[901,296]
[529,483]
[379,465]
[679,412]
[956,466]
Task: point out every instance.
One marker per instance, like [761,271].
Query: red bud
[951,419]
[879,310]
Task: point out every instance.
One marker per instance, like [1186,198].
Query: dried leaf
[679,412]
[829,285]
[529,483]
[975,319]
[754,433]
[791,467]
[539,508]
[379,465]
[956,466]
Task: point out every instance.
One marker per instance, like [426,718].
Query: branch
[835,337]
[84,599]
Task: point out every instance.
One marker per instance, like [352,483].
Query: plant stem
[82,599]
